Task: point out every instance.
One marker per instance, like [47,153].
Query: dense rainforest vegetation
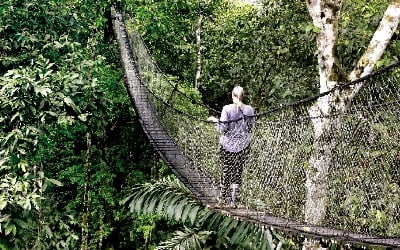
[71,145]
[72,148]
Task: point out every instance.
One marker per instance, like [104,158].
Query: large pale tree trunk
[325,14]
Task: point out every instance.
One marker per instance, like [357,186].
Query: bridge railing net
[364,179]
[364,176]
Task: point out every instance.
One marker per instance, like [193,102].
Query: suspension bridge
[362,182]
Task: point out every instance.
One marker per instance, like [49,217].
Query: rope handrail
[340,86]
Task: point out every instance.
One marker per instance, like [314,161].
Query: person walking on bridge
[234,124]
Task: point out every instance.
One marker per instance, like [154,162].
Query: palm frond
[172,200]
[167,197]
[188,239]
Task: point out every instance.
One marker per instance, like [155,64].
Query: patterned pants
[232,168]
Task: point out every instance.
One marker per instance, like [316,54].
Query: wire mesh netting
[359,181]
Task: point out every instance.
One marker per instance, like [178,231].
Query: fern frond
[172,200]
[167,197]
[193,239]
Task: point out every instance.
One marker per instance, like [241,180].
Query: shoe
[230,203]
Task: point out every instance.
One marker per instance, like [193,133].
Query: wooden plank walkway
[196,180]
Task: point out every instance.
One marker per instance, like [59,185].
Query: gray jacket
[235,124]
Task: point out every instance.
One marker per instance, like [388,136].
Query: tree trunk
[198,43]
[85,214]
[325,14]
[376,47]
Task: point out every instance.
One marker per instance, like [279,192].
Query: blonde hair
[238,92]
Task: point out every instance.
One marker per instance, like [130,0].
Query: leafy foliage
[239,46]
[270,54]
[187,239]
[203,228]
[168,28]
[358,22]
[60,81]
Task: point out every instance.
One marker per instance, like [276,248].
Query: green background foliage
[68,129]
[61,81]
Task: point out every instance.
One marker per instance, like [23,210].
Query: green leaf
[68,101]
[136,204]
[193,214]
[5,217]
[309,27]
[4,185]
[55,182]
[21,223]
[216,218]
[232,225]
[238,232]
[27,204]
[42,90]
[179,210]
[14,116]
[48,231]
[152,205]
[11,228]
[224,226]
[3,204]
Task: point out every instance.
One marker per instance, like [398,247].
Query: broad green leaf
[55,182]
[224,226]
[48,231]
[42,90]
[5,217]
[27,204]
[21,223]
[231,226]
[193,214]
[10,228]
[185,212]
[3,203]
[69,102]
[238,232]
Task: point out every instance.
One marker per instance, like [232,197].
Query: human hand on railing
[213,119]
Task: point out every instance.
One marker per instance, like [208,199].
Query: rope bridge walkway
[361,186]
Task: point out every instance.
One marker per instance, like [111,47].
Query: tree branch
[377,45]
